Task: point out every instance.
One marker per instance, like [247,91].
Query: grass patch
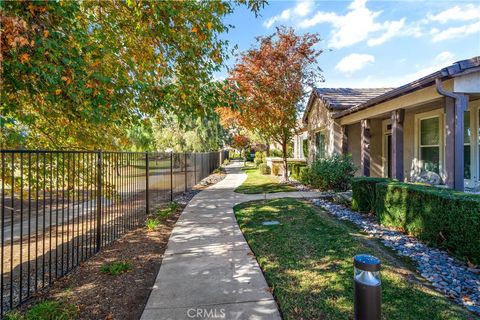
[152,223]
[159,216]
[46,310]
[259,183]
[116,268]
[308,261]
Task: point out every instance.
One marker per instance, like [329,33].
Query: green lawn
[307,260]
[259,183]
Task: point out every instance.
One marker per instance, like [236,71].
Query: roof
[345,101]
[338,99]
[456,69]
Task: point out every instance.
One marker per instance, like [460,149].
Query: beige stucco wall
[319,119]
[353,131]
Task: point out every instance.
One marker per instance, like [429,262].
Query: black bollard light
[368,287]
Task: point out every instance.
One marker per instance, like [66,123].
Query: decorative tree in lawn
[270,80]
[242,143]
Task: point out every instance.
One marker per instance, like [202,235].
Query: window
[320,145]
[430,144]
[466,146]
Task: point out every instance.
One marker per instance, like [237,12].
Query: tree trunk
[268,149]
[285,164]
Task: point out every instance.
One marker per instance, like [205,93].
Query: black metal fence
[58,208]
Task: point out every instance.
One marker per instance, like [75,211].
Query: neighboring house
[426,128]
[300,142]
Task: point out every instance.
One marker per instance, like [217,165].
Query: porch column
[397,144]
[344,140]
[365,147]
[454,140]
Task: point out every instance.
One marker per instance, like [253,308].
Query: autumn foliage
[271,80]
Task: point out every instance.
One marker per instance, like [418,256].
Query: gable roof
[339,99]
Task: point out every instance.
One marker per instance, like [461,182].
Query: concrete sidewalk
[208,270]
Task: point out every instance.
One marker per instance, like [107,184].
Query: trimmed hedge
[363,193]
[263,168]
[295,169]
[441,217]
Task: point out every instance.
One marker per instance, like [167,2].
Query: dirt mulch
[102,296]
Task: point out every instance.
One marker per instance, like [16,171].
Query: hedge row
[363,193]
[441,217]
[295,168]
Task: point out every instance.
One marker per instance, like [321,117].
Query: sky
[369,43]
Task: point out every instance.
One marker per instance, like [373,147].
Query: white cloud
[354,62]
[301,9]
[455,32]
[392,29]
[441,60]
[357,25]
[456,13]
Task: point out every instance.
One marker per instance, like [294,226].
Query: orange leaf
[194,29]
[58,91]
[46,33]
[209,25]
[24,57]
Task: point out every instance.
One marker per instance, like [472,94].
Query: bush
[116,268]
[363,193]
[334,173]
[276,153]
[226,162]
[264,169]
[260,157]
[294,168]
[304,175]
[276,169]
[441,217]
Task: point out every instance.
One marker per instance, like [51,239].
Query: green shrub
[304,176]
[276,153]
[441,217]
[151,224]
[116,268]
[363,193]
[294,168]
[264,169]
[259,158]
[333,173]
[226,162]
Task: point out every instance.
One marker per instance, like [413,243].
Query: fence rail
[58,208]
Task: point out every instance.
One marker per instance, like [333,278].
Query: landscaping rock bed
[446,274]
[184,198]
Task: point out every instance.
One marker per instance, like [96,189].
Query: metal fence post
[147,198]
[171,176]
[99,200]
[186,179]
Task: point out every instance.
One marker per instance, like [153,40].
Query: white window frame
[437,113]
[473,182]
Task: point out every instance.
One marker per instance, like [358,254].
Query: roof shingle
[343,98]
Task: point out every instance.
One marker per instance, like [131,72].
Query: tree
[80,74]
[242,143]
[270,80]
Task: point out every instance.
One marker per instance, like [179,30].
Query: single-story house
[426,129]
[300,142]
